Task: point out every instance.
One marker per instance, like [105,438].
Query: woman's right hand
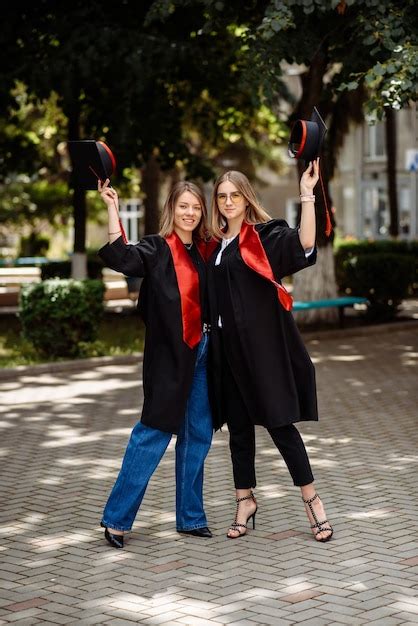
[109,195]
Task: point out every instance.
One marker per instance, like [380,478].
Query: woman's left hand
[309,178]
[108,194]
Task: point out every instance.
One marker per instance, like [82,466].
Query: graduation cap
[307,137]
[305,143]
[91,161]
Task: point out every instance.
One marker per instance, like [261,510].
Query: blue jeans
[145,450]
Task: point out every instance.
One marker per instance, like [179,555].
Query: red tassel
[328,224]
[124,237]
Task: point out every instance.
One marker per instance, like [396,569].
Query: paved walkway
[62,438]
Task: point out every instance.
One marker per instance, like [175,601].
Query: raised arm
[130,259]
[307,228]
[110,198]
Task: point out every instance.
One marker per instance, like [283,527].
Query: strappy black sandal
[235,526]
[319,526]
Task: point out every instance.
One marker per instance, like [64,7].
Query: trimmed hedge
[347,251]
[62,269]
[384,278]
[59,317]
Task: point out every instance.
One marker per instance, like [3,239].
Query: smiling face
[187,215]
[231,203]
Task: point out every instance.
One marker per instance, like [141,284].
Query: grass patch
[120,333]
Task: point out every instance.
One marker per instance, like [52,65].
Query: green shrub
[384,278]
[62,269]
[352,249]
[59,317]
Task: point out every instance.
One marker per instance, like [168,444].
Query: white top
[225,242]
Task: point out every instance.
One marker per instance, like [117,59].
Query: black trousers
[242,439]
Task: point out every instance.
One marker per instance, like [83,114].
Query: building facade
[360,189]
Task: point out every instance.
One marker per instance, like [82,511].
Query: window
[404,211]
[131,213]
[375,210]
[374,141]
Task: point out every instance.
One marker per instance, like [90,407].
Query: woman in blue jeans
[172,303]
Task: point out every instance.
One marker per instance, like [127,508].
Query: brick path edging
[127,359]
[68,366]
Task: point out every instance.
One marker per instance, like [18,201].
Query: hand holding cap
[92,161]
[307,137]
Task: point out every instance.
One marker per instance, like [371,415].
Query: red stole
[206,248]
[254,255]
[188,284]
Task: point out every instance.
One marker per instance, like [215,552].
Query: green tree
[353,54]
[31,184]
[142,77]
[85,55]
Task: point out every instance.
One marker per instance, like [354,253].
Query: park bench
[340,303]
[115,283]
[11,280]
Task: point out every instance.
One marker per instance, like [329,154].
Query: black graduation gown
[168,363]
[263,345]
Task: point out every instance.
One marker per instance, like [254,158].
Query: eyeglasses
[235,197]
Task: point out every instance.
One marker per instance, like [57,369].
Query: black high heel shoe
[319,527]
[235,526]
[115,540]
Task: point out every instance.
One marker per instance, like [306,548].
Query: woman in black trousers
[262,373]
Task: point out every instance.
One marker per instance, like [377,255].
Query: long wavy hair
[167,216]
[254,212]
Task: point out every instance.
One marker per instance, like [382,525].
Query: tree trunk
[317,282]
[79,258]
[151,187]
[391,172]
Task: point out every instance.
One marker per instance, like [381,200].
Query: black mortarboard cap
[307,137]
[91,161]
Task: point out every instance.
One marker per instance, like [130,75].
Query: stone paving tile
[20,615]
[386,621]
[26,604]
[162,619]
[300,596]
[316,621]
[274,621]
[309,615]
[405,606]
[94,619]
[121,622]
[339,618]
[62,437]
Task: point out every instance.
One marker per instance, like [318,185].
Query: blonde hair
[254,212]
[167,216]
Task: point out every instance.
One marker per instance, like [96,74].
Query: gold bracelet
[307,198]
[116,233]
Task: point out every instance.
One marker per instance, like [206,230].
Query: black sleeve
[283,248]
[131,259]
